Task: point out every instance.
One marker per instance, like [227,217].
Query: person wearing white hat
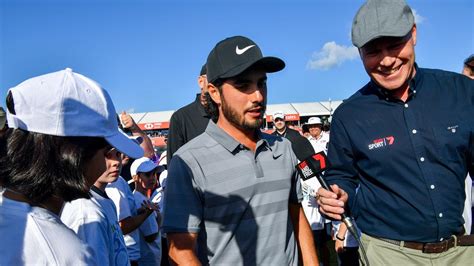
[144,173]
[61,127]
[95,220]
[127,211]
[318,138]
[299,144]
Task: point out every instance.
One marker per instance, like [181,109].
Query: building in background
[156,124]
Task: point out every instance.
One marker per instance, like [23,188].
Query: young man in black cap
[189,121]
[468,69]
[233,191]
[405,141]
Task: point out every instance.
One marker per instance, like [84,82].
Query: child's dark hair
[39,165]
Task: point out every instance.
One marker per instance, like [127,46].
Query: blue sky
[148,54]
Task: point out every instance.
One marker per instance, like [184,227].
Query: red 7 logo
[390,140]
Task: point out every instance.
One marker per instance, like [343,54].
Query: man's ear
[201,82]
[413,34]
[214,93]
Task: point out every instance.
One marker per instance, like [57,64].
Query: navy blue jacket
[409,158]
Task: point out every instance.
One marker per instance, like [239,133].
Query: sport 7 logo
[379,143]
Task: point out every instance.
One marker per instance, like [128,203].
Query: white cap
[142,165]
[65,103]
[314,121]
[278,114]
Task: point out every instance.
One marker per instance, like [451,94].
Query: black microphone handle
[346,219]
[326,187]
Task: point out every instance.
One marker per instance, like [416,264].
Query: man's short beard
[233,117]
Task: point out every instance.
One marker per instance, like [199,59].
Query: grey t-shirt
[237,200]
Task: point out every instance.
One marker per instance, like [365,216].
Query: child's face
[113,160]
[96,166]
[147,180]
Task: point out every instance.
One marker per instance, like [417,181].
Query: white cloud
[331,55]
[418,18]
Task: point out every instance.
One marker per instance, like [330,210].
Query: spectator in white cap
[144,172]
[62,126]
[95,220]
[405,142]
[320,226]
[318,138]
[299,144]
[130,216]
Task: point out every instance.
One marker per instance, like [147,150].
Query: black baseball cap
[234,55]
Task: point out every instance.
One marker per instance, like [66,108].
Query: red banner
[288,117]
[154,125]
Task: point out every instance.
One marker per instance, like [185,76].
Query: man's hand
[182,248]
[127,121]
[332,203]
[147,207]
[339,246]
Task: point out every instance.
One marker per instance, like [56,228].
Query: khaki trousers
[380,252]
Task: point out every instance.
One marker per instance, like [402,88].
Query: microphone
[312,167]
[301,147]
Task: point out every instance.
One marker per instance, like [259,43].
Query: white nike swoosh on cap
[241,51]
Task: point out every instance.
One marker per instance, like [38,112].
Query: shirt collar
[100,192]
[281,134]
[232,145]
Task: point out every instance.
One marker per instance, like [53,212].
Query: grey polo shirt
[237,200]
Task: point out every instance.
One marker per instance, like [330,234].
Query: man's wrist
[340,238]
[134,128]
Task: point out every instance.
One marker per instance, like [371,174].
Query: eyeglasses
[113,153]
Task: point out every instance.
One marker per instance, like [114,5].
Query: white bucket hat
[65,103]
[314,121]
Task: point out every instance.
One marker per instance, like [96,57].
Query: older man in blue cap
[405,141]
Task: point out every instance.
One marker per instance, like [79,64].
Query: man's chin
[256,124]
